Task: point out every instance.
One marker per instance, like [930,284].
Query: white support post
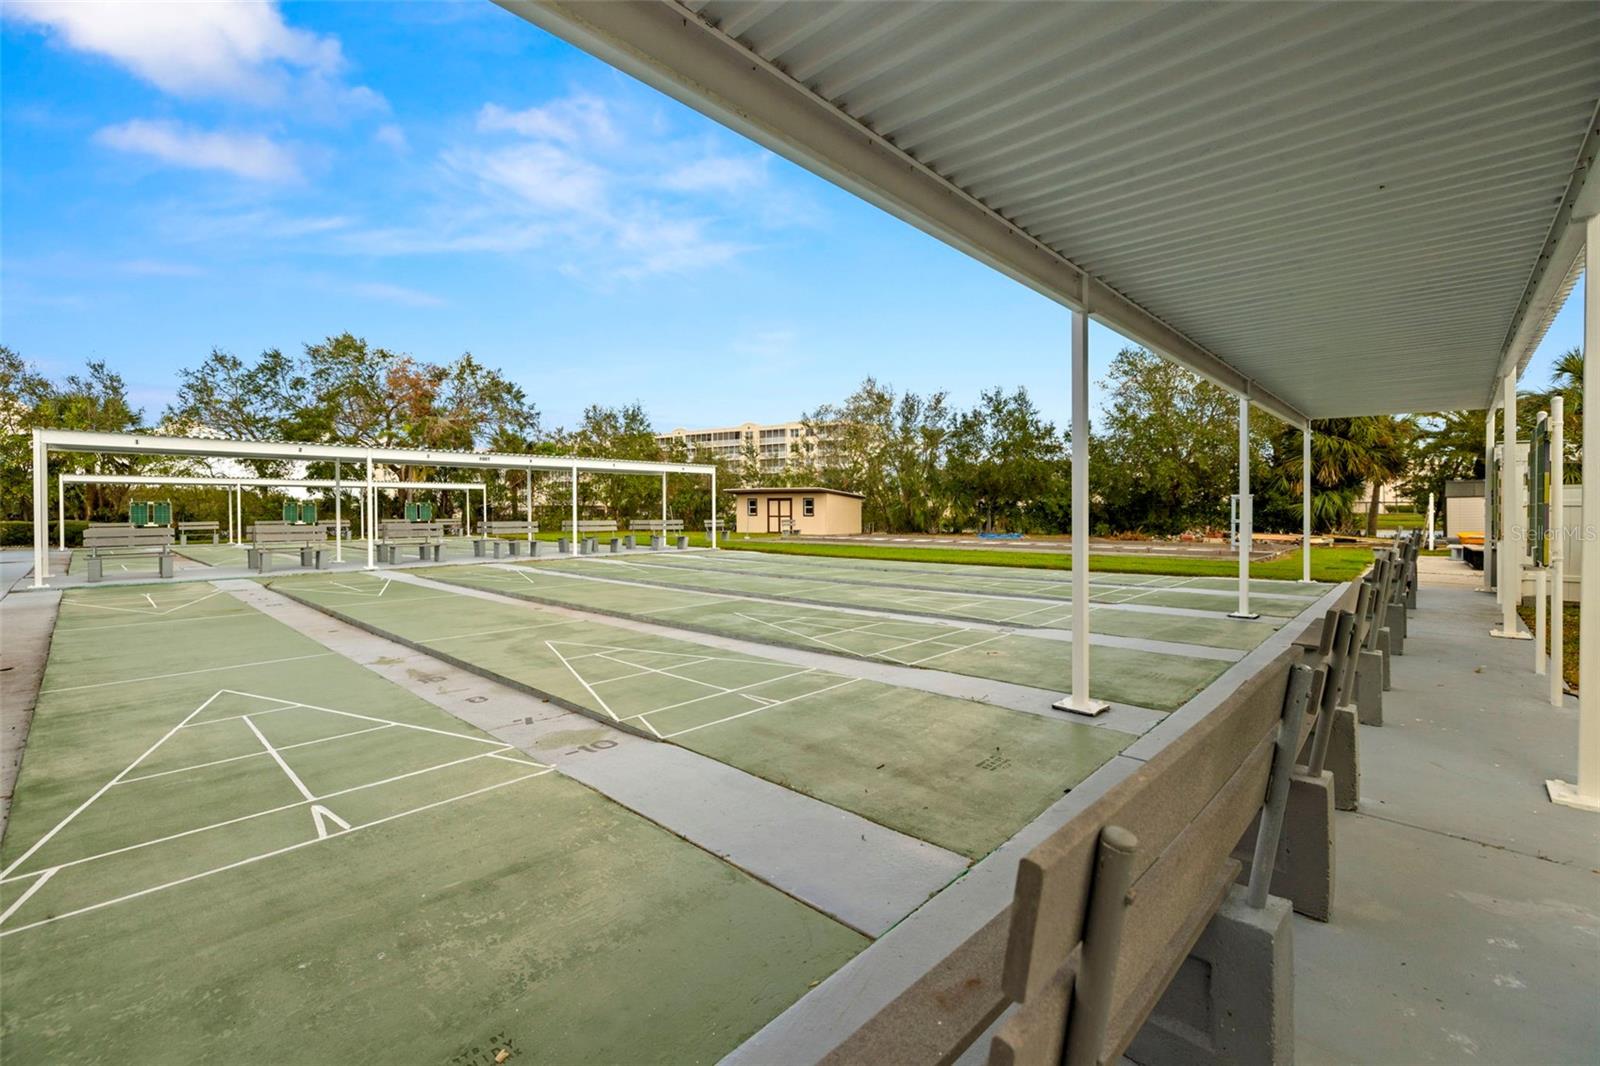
[1488,516]
[1430,521]
[61,511]
[1512,534]
[715,526]
[1558,533]
[1079,701]
[530,506]
[41,511]
[1305,502]
[663,508]
[1586,793]
[576,540]
[1539,586]
[369,510]
[1246,512]
[338,515]
[484,492]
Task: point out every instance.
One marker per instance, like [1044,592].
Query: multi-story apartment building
[779,445]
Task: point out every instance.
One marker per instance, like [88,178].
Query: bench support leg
[477,549]
[1303,870]
[1369,688]
[1344,759]
[165,564]
[1395,622]
[97,569]
[1232,1000]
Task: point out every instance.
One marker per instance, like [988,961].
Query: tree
[1167,459]
[96,400]
[1347,454]
[1006,464]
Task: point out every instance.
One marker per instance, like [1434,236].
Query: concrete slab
[1468,920]
[866,875]
[26,622]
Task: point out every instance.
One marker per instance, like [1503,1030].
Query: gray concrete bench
[656,525]
[307,542]
[497,536]
[185,528]
[119,539]
[426,537]
[590,525]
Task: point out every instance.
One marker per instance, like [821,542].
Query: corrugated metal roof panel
[1343,202]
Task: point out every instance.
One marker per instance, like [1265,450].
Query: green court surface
[1153,679]
[1284,599]
[230,844]
[956,773]
[1211,629]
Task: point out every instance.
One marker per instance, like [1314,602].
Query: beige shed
[817,511]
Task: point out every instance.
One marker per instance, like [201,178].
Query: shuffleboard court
[1158,680]
[215,809]
[1200,627]
[953,772]
[1143,589]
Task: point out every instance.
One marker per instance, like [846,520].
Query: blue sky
[445,177]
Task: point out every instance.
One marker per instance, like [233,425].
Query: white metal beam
[63,440]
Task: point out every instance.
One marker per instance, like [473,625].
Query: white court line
[639,671]
[740,691]
[75,602]
[962,647]
[37,844]
[490,632]
[940,636]
[253,754]
[758,710]
[187,673]
[17,903]
[658,670]
[604,706]
[262,814]
[271,854]
[272,751]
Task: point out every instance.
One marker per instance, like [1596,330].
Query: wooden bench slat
[1164,904]
[1188,774]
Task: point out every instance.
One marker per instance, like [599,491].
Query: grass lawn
[1327,564]
[1569,640]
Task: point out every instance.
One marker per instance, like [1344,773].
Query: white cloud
[157,268]
[392,136]
[248,155]
[241,50]
[718,174]
[577,119]
[396,294]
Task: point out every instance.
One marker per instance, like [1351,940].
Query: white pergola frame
[235,485]
[46,441]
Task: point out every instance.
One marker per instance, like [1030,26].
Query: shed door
[780,513]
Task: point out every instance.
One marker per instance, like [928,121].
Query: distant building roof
[796,488]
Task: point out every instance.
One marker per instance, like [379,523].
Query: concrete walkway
[1466,920]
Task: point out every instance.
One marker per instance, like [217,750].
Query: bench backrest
[285,533]
[119,535]
[1187,807]
[190,527]
[588,525]
[656,525]
[402,530]
[499,529]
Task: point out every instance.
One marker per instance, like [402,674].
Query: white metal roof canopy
[46,441]
[1337,209]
